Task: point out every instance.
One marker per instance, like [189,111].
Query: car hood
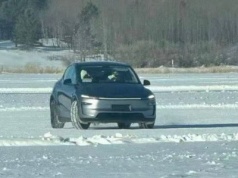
[116,90]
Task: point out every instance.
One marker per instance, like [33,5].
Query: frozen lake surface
[195,134]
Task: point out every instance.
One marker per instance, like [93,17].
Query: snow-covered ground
[13,57]
[195,134]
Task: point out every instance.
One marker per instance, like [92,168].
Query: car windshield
[107,74]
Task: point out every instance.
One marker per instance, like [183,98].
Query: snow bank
[194,88]
[198,106]
[14,57]
[128,139]
[11,109]
[48,139]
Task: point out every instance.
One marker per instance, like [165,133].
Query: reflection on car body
[101,92]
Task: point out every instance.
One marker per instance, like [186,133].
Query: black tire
[75,117]
[124,125]
[54,116]
[146,125]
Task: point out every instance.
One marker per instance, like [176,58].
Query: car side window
[70,74]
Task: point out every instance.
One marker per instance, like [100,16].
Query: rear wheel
[146,125]
[75,117]
[55,123]
[124,125]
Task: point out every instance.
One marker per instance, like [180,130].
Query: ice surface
[195,133]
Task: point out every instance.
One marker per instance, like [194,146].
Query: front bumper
[103,110]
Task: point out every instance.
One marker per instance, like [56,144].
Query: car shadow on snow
[110,128]
[195,126]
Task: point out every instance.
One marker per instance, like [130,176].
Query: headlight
[89,100]
[85,96]
[88,97]
[151,97]
[151,101]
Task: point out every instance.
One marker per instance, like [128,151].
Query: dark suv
[101,92]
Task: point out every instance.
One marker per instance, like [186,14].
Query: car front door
[66,92]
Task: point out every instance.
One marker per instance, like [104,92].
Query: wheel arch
[74,98]
[51,98]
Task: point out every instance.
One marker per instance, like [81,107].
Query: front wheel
[54,116]
[146,125]
[75,117]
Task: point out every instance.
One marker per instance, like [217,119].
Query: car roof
[101,63]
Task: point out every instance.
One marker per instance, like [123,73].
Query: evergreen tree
[14,14]
[85,40]
[27,29]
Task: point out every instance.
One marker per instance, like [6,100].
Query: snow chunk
[191,172]
[49,139]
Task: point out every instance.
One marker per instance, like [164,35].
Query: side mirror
[67,81]
[146,82]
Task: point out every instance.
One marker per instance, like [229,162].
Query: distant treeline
[145,33]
